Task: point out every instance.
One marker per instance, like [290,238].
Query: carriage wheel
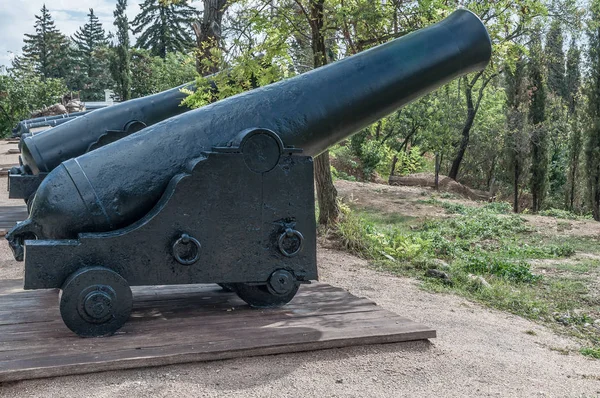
[279,290]
[95,301]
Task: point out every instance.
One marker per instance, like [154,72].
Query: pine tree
[516,141]
[572,83]
[88,39]
[164,27]
[121,66]
[47,49]
[537,117]
[573,77]
[555,59]
[592,149]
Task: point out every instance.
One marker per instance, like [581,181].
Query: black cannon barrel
[43,152]
[117,184]
[46,123]
[24,125]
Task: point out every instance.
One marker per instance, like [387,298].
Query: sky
[18,16]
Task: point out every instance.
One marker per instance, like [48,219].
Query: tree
[575,149]
[47,49]
[326,192]
[537,117]
[516,140]
[209,34]
[24,90]
[164,26]
[506,21]
[121,64]
[151,75]
[88,39]
[555,59]
[91,75]
[573,76]
[572,85]
[592,149]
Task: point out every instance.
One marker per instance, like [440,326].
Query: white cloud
[18,16]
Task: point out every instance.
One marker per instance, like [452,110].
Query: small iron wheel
[95,302]
[227,287]
[279,290]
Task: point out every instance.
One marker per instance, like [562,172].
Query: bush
[367,240]
[515,271]
[563,214]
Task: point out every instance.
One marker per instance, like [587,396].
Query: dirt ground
[409,201]
[478,352]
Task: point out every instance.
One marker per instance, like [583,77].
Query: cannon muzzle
[118,184]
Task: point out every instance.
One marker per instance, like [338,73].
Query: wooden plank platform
[188,323]
[10,215]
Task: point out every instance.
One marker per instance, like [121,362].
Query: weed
[564,214]
[593,352]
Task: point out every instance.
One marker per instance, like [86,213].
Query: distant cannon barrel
[43,152]
[25,125]
[26,129]
[116,185]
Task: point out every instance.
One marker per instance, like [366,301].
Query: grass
[564,214]
[524,272]
[593,352]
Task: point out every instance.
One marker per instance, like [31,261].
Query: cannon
[224,193]
[24,125]
[86,131]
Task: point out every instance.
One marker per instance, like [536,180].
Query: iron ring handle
[184,240]
[289,233]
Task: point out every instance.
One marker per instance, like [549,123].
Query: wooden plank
[187,323]
[10,215]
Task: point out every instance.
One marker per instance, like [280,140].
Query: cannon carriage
[262,243]
[222,194]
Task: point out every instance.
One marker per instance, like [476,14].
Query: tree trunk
[516,187]
[436,184]
[464,142]
[572,190]
[326,192]
[393,168]
[208,35]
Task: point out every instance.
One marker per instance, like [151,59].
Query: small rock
[441,264]
[479,281]
[436,273]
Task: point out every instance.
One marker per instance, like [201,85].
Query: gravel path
[478,353]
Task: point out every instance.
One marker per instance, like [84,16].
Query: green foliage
[562,214]
[164,27]
[487,256]
[573,75]
[537,117]
[23,91]
[46,51]
[593,96]
[120,61]
[592,352]
[555,59]
[152,74]
[514,271]
[366,239]
[90,74]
